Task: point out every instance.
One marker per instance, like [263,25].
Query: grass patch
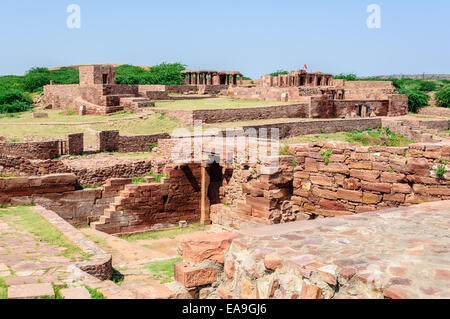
[164,233]
[370,137]
[25,219]
[215,103]
[3,289]
[95,294]
[163,269]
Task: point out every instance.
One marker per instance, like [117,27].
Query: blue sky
[254,37]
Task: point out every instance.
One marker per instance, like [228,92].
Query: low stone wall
[112,141]
[435,111]
[254,113]
[360,179]
[139,143]
[153,206]
[92,176]
[292,129]
[99,263]
[59,193]
[32,150]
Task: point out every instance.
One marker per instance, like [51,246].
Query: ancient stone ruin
[324,219]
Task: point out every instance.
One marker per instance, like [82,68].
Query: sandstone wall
[90,176]
[32,150]
[360,179]
[435,111]
[61,194]
[153,206]
[139,143]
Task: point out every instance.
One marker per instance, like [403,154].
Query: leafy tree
[348,77]
[12,101]
[417,99]
[164,74]
[279,72]
[427,86]
[443,97]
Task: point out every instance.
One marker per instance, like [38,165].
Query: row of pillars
[208,78]
[311,80]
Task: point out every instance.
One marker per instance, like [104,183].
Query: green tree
[417,99]
[443,97]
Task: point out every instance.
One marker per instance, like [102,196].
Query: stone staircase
[134,104]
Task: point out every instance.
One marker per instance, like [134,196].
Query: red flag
[306,67]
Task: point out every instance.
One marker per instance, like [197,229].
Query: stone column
[205,203]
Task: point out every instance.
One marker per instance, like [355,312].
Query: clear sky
[252,36]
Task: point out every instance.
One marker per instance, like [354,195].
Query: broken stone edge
[99,264]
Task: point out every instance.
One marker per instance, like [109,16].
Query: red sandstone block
[387,177]
[332,213]
[401,188]
[365,175]
[311,292]
[323,193]
[260,203]
[418,166]
[399,198]
[322,180]
[259,213]
[194,277]
[351,183]
[370,198]
[332,205]
[376,187]
[244,208]
[364,209]
[334,168]
[207,247]
[360,165]
[353,196]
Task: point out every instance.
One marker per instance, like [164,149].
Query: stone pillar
[205,203]
[241,79]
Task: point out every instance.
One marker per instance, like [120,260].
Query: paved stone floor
[395,253]
[31,268]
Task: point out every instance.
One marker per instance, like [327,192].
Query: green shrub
[348,77]
[35,79]
[279,72]
[12,101]
[417,99]
[440,171]
[443,97]
[427,86]
[163,74]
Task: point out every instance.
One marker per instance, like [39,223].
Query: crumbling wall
[340,179]
[151,206]
[32,150]
[61,194]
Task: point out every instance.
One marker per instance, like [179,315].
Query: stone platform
[395,253]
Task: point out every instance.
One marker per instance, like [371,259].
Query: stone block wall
[435,111]
[153,206]
[108,141]
[32,150]
[75,144]
[60,193]
[139,143]
[361,179]
[90,176]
